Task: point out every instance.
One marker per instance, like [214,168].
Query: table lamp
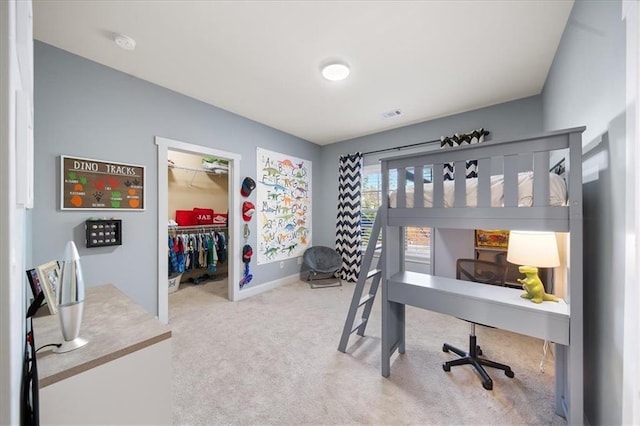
[70,298]
[533,250]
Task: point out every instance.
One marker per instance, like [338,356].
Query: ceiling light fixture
[125,42]
[335,71]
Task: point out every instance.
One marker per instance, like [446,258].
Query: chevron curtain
[348,231]
[457,139]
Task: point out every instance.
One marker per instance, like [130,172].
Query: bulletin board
[88,184]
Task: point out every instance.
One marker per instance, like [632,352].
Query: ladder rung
[366,298]
[357,324]
[373,273]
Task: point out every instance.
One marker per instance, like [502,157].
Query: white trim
[261,288]
[233,247]
[16,78]
[24,149]
[631,333]
[8,403]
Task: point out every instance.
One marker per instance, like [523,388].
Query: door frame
[631,332]
[164,146]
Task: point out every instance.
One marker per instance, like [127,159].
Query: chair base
[313,282]
[472,357]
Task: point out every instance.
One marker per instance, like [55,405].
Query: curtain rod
[398,148]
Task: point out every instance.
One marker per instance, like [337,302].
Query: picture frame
[34,282]
[90,184]
[48,275]
[497,239]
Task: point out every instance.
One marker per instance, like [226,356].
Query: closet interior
[198,204]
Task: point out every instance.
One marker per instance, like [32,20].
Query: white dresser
[122,376]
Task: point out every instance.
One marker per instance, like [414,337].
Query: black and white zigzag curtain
[348,230]
[457,139]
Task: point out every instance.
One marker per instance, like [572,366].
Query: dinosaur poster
[283,206]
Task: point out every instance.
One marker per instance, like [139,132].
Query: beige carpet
[273,359]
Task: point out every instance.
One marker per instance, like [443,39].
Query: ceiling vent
[392,113]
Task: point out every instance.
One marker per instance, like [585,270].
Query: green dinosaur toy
[533,286]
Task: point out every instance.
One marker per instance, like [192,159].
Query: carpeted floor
[273,359]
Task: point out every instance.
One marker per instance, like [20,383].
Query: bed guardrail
[513,184]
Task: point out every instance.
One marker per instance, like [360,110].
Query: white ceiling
[262,59]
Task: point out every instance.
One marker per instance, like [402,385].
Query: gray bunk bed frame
[561,323]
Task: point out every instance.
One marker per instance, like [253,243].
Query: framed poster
[283,206]
[87,184]
[492,239]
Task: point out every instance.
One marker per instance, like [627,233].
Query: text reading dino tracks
[88,184]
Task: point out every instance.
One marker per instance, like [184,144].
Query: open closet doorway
[191,154]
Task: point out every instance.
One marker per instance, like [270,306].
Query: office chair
[485,272]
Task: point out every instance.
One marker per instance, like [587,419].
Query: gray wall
[84,109]
[449,246]
[586,86]
[511,119]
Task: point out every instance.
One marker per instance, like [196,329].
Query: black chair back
[481,271]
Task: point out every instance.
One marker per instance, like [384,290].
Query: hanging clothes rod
[197,227]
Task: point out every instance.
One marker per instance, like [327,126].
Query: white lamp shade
[533,248]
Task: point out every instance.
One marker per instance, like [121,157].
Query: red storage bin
[186,218]
[204,216]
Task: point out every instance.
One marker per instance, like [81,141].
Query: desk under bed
[423,203]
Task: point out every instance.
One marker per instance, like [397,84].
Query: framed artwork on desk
[48,275]
[34,282]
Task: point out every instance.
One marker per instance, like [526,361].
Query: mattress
[557,192]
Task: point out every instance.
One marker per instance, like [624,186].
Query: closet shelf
[216,172]
[191,169]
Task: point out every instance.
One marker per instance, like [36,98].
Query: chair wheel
[479,351]
[445,349]
[446,367]
[509,373]
[488,385]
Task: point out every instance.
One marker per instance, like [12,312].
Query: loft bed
[436,203]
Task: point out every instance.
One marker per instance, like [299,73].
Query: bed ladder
[358,300]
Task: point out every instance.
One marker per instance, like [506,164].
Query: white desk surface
[491,305]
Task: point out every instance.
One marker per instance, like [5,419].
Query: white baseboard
[261,288]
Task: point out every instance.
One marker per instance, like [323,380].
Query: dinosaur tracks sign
[100,185]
